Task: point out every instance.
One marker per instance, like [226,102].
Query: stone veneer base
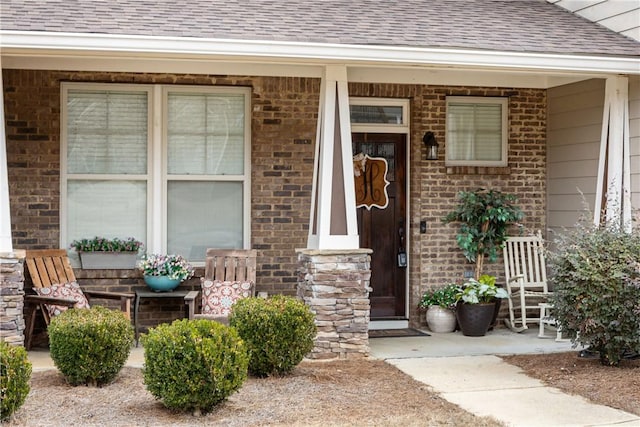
[335,285]
[12,297]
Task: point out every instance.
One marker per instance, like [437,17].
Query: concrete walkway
[467,372]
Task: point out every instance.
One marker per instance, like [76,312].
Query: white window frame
[156,176]
[504,104]
[382,127]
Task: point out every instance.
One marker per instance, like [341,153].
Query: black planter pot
[475,319]
[498,304]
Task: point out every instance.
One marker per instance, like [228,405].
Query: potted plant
[485,216]
[104,253]
[440,304]
[164,272]
[476,305]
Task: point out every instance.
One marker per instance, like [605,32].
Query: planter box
[108,260]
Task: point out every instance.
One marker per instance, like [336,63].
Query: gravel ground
[346,393]
[617,387]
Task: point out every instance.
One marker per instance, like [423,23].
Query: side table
[149,294]
[547,319]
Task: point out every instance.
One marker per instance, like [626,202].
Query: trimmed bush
[192,365]
[90,346]
[279,332]
[596,276]
[15,372]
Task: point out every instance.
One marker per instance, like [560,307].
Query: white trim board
[376,325]
[52,44]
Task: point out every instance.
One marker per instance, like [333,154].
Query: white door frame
[401,128]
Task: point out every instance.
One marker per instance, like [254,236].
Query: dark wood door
[384,230]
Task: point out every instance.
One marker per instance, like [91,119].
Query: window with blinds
[476,131]
[112,188]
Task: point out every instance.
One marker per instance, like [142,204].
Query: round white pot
[441,319]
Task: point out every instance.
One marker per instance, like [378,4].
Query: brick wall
[284,114]
[435,257]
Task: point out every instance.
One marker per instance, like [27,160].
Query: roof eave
[57,43]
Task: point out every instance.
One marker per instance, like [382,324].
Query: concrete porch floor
[500,341]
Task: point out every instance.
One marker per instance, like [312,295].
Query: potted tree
[103,253]
[484,217]
[440,304]
[476,307]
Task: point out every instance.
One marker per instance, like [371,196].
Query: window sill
[478,170]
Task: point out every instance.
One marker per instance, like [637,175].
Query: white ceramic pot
[441,319]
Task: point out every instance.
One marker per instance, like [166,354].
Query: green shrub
[90,346]
[192,365]
[15,372]
[279,332]
[596,276]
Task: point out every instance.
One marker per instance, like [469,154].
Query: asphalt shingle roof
[505,25]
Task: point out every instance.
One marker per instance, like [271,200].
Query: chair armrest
[109,295]
[124,297]
[190,301]
[519,282]
[515,278]
[41,299]
[191,296]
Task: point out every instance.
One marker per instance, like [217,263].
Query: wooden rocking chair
[52,267]
[230,274]
[526,275]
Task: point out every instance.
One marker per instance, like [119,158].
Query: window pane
[107,208]
[380,149]
[205,134]
[488,146]
[376,114]
[106,132]
[203,215]
[474,131]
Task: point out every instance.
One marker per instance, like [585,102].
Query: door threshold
[388,324]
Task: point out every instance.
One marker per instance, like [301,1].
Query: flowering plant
[445,297]
[102,244]
[174,266]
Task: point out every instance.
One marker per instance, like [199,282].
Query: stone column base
[335,285]
[12,297]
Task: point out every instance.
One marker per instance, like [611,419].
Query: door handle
[402,254]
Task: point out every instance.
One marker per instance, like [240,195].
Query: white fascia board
[29,42]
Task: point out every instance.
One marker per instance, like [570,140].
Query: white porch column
[614,168]
[5,217]
[333,223]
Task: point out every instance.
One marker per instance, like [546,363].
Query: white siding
[634,139]
[573,135]
[621,16]
[574,125]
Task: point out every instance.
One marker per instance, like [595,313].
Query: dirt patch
[346,393]
[617,387]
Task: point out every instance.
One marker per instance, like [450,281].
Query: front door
[384,230]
